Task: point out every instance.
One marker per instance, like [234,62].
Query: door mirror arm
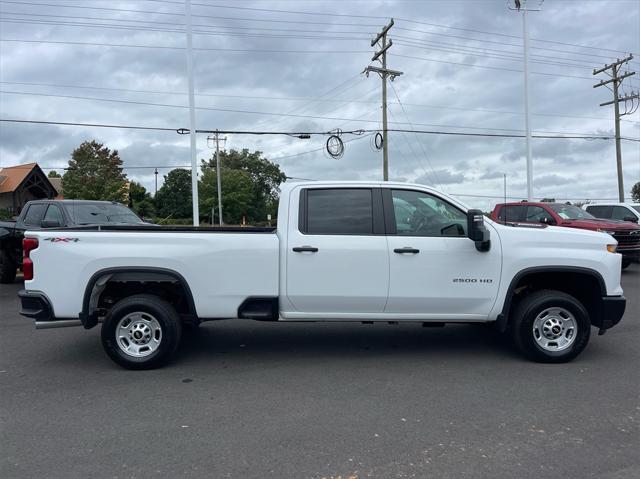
[477,231]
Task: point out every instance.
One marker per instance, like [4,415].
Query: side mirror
[548,221]
[477,231]
[50,224]
[633,219]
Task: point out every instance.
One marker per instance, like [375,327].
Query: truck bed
[222,270]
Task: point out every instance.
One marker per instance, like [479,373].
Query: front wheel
[626,263]
[141,332]
[550,327]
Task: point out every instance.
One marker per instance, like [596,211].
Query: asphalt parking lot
[249,399]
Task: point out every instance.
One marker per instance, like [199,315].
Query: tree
[635,192]
[265,176]
[174,197]
[54,174]
[95,173]
[238,193]
[140,200]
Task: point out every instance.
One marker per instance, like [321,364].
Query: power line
[302,99]
[252,112]
[489,67]
[458,51]
[332,14]
[482,49]
[249,50]
[166,30]
[424,152]
[361,132]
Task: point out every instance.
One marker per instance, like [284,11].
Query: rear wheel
[8,267]
[550,327]
[141,332]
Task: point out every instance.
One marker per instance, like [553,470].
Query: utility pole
[192,117]
[156,173]
[384,72]
[616,80]
[218,177]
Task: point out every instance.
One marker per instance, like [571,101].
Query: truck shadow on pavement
[264,342]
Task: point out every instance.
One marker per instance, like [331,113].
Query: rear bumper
[35,305]
[611,312]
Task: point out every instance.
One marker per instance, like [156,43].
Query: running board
[62,323]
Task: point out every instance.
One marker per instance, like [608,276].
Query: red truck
[558,214]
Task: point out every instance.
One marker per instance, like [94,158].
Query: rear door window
[54,214]
[599,211]
[339,211]
[537,214]
[620,213]
[34,215]
[515,213]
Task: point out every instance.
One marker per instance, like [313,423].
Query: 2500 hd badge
[472,280]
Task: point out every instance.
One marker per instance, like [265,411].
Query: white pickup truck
[342,251]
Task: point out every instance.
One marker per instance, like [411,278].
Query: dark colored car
[41,214]
[558,214]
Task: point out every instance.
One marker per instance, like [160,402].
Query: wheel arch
[555,277]
[139,274]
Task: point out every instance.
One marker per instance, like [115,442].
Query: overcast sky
[296,66]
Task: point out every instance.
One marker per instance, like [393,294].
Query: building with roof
[22,183]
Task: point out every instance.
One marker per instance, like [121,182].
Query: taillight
[28,245]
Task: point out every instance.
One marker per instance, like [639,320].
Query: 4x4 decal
[62,240]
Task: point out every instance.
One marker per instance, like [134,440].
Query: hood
[603,224]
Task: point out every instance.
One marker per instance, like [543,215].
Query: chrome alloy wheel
[555,329]
[138,334]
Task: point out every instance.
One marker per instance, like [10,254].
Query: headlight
[607,231]
[611,248]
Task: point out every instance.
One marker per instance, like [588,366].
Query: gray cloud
[467,98]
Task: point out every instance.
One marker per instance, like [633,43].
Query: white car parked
[615,211]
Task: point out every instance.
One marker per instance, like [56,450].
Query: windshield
[637,208]
[570,212]
[101,213]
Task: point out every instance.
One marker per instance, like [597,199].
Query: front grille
[628,239]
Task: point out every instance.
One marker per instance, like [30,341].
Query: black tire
[8,267]
[626,263]
[526,312]
[150,307]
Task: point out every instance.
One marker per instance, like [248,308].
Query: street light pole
[192,117]
[527,120]
[220,222]
[525,7]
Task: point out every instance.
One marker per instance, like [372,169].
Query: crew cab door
[337,258]
[436,272]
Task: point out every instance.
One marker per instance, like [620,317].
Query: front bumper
[631,254]
[611,311]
